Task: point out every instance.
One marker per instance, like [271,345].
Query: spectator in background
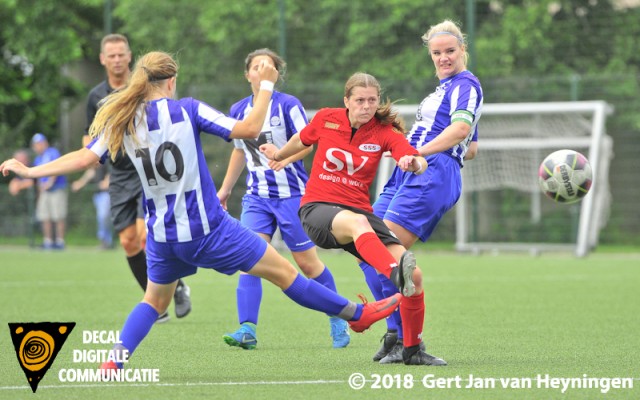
[98,177]
[51,208]
[18,184]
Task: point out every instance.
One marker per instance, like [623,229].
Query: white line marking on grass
[187,384]
[71,283]
[256,383]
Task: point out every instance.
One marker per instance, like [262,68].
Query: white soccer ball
[565,176]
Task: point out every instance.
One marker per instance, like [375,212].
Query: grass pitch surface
[510,319]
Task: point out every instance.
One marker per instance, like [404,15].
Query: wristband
[267,85]
[419,168]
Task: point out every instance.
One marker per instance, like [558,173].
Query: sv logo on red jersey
[333,163]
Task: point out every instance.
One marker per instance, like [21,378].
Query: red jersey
[345,164]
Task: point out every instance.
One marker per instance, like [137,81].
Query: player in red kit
[336,211]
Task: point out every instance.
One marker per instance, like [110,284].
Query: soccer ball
[565,176]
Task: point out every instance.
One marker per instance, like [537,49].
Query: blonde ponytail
[117,114]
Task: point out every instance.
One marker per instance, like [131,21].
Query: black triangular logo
[37,344]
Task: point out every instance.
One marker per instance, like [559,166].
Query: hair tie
[152,78]
[159,78]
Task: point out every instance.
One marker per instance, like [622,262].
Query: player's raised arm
[249,128]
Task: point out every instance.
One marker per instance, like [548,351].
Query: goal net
[501,206]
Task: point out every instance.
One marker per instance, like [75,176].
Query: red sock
[375,253]
[412,313]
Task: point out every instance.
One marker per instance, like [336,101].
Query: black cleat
[395,355]
[164,317]
[420,357]
[388,340]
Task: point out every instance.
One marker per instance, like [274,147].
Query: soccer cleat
[182,300]
[373,312]
[164,317]
[245,337]
[395,355]
[420,357]
[403,278]
[108,369]
[339,332]
[388,340]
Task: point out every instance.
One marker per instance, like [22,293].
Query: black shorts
[125,193]
[317,219]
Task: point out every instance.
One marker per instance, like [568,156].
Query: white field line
[186,384]
[204,384]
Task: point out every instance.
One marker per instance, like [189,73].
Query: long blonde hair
[116,115]
[385,112]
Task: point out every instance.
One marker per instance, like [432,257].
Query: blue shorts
[418,202]
[265,215]
[228,249]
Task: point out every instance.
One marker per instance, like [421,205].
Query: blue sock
[309,293]
[137,326]
[371,277]
[375,283]
[248,297]
[389,289]
[326,279]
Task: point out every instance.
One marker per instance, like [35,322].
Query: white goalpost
[501,206]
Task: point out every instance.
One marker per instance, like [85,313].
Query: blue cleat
[245,337]
[339,332]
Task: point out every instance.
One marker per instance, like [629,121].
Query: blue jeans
[103,218]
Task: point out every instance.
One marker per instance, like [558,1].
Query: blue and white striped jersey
[179,194]
[461,92]
[286,117]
